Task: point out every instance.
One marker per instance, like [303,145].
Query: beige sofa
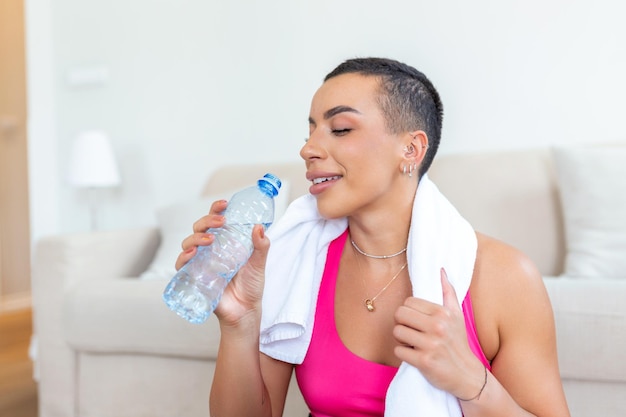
[108,346]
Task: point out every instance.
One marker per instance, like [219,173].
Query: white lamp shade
[92,162]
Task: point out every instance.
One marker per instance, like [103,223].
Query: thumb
[261,246]
[449,294]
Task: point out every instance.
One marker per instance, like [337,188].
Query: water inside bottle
[186,300]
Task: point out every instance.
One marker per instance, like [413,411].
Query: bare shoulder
[503,270]
[506,290]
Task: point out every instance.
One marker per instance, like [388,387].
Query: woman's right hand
[243,294]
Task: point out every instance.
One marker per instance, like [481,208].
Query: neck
[382,228]
[382,243]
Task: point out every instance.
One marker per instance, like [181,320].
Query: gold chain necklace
[369,303]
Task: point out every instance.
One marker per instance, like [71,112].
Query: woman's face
[354,164]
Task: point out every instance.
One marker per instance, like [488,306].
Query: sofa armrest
[59,262]
[92,255]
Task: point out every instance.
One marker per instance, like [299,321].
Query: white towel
[438,237]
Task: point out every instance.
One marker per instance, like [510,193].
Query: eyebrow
[335,111]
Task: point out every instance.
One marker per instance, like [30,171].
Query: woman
[375,126]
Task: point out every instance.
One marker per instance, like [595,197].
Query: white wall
[195,84]
[42,136]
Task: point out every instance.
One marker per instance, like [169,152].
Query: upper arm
[515,319]
[276,375]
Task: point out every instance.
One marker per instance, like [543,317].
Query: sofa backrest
[510,195]
[233,177]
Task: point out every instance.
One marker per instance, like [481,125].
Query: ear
[416,147]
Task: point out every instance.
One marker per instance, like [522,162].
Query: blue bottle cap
[270,182]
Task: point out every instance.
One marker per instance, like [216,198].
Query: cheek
[374,172]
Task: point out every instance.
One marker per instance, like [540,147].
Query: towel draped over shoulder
[439,237]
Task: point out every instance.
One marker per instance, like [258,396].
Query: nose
[312,148]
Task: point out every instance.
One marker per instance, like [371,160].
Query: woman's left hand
[433,338]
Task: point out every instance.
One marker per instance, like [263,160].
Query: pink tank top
[333,380]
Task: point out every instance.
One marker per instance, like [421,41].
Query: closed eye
[341,132]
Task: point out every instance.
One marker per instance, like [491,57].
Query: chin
[330,210]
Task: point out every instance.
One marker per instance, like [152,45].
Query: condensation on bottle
[196,289]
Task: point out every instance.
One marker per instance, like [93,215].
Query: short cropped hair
[408,99]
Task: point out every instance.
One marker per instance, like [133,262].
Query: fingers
[261,246]
[190,247]
[413,325]
[213,219]
[450,299]
[417,318]
[190,244]
[417,314]
[432,337]
[218,206]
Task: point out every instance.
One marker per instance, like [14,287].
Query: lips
[320,180]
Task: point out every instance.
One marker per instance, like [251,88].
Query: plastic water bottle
[196,289]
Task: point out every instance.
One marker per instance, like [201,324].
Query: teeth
[324,179]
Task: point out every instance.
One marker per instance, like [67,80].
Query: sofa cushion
[593,197]
[590,318]
[128,315]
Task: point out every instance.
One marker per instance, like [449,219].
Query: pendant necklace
[369,303]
